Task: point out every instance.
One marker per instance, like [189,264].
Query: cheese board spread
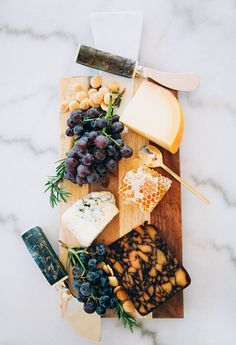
[129,215]
[120,229]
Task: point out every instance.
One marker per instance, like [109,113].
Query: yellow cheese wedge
[155,113]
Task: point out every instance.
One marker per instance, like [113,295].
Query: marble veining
[29,32]
[38,45]
[217,187]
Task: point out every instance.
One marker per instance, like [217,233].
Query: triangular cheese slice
[155,113]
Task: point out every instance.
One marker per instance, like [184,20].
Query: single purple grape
[111,164]
[99,154]
[80,145]
[70,123]
[92,136]
[69,175]
[78,130]
[102,123]
[80,180]
[69,132]
[77,116]
[117,127]
[115,118]
[92,113]
[93,177]
[88,159]
[71,164]
[101,169]
[126,151]
[83,170]
[101,141]
[110,150]
[73,154]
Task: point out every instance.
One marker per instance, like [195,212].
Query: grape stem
[109,137]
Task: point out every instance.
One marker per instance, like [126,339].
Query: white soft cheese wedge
[88,216]
[155,113]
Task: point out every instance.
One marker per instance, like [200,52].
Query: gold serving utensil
[152,157]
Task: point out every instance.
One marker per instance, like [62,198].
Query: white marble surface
[38,43]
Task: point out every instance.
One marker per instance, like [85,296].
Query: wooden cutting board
[166,216]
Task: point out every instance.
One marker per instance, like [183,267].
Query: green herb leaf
[57,192]
[127,320]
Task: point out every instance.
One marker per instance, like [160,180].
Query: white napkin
[117,32]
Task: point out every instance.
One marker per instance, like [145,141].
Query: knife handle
[106,62]
[44,255]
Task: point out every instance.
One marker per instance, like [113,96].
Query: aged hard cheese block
[155,113]
[146,268]
[87,217]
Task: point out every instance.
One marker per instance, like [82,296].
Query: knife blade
[129,68]
[87,325]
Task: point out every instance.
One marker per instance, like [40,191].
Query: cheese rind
[155,113]
[88,216]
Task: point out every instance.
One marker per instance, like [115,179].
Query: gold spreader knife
[152,157]
[129,68]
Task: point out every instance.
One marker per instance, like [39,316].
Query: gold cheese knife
[87,325]
[152,157]
[129,68]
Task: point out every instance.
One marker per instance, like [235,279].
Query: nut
[145,248]
[80,96]
[128,306]
[134,260]
[73,105]
[118,288]
[180,277]
[113,86]
[161,258]
[91,91]
[167,287]
[118,267]
[122,295]
[96,81]
[97,97]
[84,105]
[64,106]
[105,268]
[104,106]
[110,270]
[103,90]
[113,281]
[92,104]
[107,98]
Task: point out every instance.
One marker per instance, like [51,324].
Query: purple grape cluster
[91,283]
[98,145]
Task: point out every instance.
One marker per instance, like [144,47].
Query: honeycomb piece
[144,187]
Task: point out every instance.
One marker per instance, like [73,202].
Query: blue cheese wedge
[88,216]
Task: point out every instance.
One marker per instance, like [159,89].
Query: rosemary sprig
[119,98]
[109,110]
[127,320]
[57,193]
[73,256]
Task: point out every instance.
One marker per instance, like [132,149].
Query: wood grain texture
[167,215]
